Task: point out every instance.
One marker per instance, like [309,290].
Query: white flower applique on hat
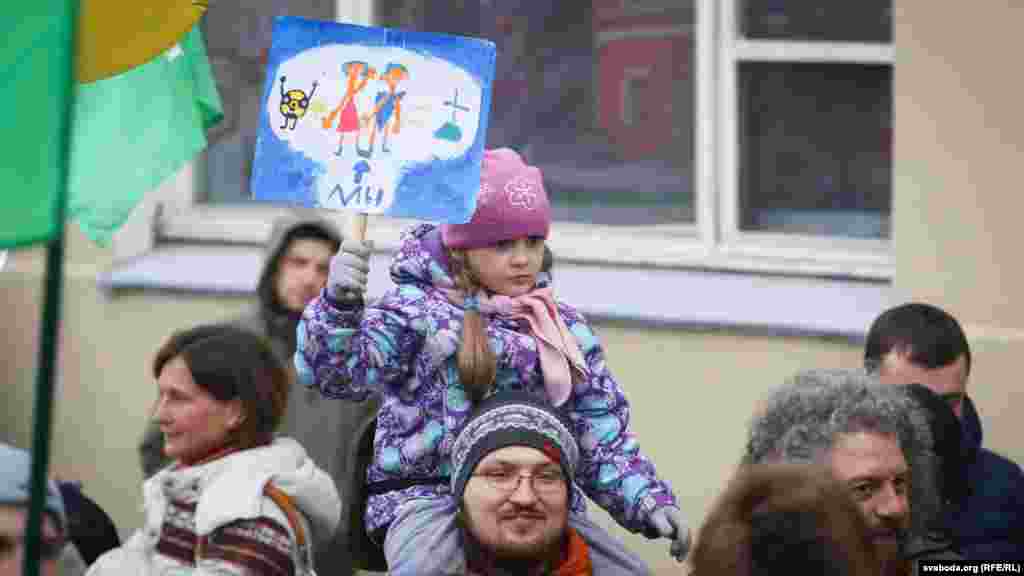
[522,193]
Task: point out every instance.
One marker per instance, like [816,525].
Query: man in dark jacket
[920,343]
[294,272]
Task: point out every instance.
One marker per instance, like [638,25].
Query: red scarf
[210,457]
[575,558]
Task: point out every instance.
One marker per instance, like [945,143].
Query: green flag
[134,130]
[34,63]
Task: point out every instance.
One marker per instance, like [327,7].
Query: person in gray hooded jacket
[294,272]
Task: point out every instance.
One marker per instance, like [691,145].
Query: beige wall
[959,198]
[105,387]
[692,394]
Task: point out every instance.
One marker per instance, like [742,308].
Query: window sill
[683,298]
[655,247]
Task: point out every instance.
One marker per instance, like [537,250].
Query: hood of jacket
[278,320]
[231,487]
[422,260]
[972,432]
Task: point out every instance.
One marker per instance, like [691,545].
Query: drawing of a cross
[454,103]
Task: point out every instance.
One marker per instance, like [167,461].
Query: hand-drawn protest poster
[373,120]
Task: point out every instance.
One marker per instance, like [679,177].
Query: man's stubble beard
[514,559]
[895,565]
[891,558]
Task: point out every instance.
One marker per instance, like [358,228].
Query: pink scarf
[560,359]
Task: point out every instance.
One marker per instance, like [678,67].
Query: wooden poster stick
[357,226]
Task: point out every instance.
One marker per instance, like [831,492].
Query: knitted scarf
[560,359]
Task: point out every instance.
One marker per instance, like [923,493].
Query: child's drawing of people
[387,112]
[358,73]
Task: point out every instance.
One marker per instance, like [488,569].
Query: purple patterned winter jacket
[403,346]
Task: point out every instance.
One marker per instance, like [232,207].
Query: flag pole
[43,409]
[54,281]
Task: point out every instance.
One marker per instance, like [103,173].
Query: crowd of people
[495,417]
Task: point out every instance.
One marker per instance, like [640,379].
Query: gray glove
[349,267]
[668,522]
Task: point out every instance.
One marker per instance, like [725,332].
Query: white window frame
[713,242]
[855,256]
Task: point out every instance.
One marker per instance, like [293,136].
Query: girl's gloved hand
[347,277]
[668,522]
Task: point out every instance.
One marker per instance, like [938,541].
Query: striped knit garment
[244,547]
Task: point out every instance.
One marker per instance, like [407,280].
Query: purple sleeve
[612,471]
[352,352]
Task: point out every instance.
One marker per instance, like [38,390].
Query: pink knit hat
[511,204]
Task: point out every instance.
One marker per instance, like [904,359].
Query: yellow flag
[117,35]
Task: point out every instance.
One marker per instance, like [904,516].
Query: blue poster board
[373,120]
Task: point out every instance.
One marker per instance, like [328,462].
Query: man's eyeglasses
[543,482]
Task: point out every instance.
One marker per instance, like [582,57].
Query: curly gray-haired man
[876,442]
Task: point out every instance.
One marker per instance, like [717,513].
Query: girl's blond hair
[476,361]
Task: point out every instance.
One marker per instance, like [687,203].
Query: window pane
[815,148]
[827,20]
[598,93]
[237,37]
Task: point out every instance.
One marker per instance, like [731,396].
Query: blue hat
[15,468]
